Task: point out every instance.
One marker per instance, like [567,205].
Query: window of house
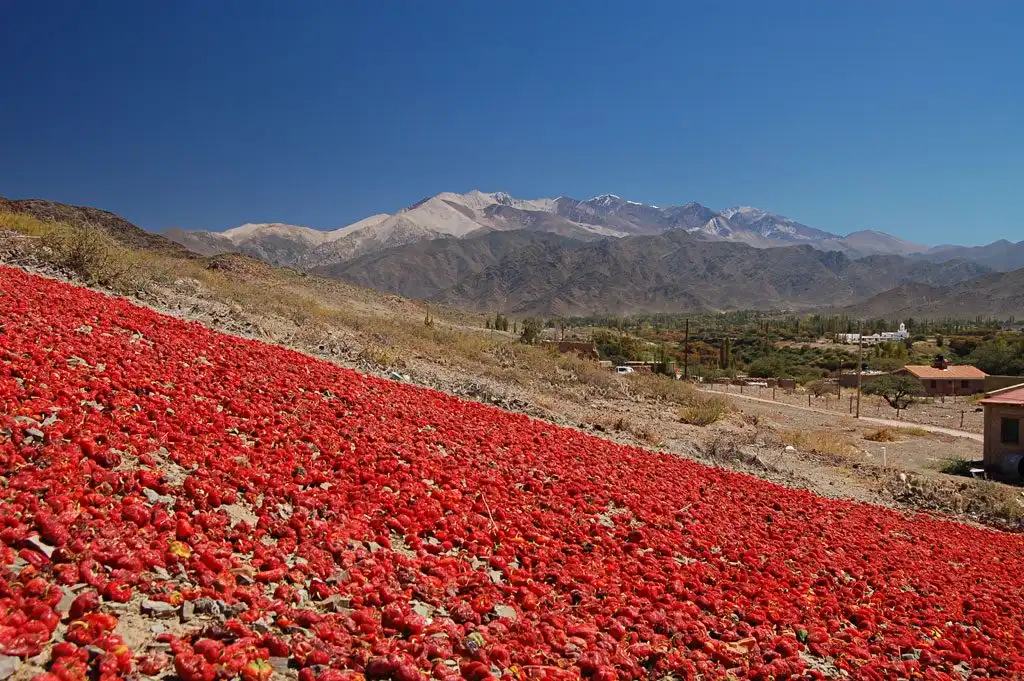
[1009,432]
[935,384]
[963,383]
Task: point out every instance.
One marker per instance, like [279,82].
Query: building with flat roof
[1004,416]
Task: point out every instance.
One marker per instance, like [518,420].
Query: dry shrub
[881,435]
[704,410]
[623,424]
[820,441]
[88,252]
[659,388]
[381,355]
[956,467]
[586,371]
[893,434]
[728,449]
[647,435]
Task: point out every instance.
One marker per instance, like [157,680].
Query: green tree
[769,366]
[886,363]
[899,391]
[531,330]
[999,358]
[819,388]
[963,346]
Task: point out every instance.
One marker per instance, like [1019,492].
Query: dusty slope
[112,224]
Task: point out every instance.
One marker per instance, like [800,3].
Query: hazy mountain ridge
[1002,255]
[533,273]
[995,294]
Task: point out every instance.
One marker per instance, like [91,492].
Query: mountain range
[465,215]
[491,252]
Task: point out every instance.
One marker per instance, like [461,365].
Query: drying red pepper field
[274,514]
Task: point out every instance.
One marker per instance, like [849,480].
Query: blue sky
[904,117]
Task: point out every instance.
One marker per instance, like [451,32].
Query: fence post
[961,419]
[851,404]
[808,399]
[773,392]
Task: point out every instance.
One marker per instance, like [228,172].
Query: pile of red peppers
[348,527]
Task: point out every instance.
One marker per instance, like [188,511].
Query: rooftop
[1012,395]
[962,371]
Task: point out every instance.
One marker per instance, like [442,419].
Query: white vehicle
[757,384]
[623,370]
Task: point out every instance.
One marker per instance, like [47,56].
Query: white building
[886,336]
[900,335]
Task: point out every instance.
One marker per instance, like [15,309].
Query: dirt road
[892,423]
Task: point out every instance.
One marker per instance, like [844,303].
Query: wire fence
[958,413]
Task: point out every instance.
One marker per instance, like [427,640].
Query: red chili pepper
[393,529]
[192,667]
[210,649]
[117,591]
[153,663]
[87,601]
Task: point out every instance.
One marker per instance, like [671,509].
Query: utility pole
[860,368]
[686,350]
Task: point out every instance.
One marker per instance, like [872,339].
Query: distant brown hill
[114,225]
[535,273]
[996,294]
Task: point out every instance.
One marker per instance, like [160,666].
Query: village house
[1004,421]
[942,379]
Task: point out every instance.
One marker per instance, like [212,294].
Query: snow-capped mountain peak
[460,216]
[604,200]
[771,226]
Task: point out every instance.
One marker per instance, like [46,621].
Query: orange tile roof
[1011,395]
[960,371]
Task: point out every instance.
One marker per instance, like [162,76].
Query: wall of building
[1000,382]
[994,414]
[849,380]
[953,386]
